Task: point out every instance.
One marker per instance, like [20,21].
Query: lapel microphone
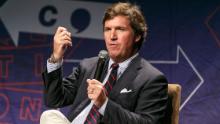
[103,55]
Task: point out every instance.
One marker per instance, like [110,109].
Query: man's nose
[113,35]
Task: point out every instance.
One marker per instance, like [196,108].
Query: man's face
[119,38]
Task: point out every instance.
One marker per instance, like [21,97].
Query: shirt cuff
[102,108]
[53,66]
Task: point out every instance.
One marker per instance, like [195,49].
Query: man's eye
[121,29]
[107,29]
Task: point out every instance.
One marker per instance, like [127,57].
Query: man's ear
[137,38]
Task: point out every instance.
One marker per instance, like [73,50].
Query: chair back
[172,112]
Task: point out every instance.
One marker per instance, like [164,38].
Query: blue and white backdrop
[183,42]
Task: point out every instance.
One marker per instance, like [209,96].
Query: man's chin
[114,57]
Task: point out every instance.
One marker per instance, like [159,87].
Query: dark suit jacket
[146,103]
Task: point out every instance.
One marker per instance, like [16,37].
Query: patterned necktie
[94,115]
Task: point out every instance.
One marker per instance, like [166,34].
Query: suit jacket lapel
[127,77]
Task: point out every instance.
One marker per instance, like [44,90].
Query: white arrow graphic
[23,16]
[180,50]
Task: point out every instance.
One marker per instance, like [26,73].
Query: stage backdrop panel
[183,42]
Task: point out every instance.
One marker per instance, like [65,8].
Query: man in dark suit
[139,95]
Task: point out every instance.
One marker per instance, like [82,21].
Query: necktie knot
[114,66]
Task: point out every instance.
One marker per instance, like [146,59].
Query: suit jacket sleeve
[149,108]
[60,91]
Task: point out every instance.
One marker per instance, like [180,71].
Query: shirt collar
[123,65]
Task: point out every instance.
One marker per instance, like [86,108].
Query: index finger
[93,81]
[61,29]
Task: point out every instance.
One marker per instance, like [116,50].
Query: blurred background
[183,42]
